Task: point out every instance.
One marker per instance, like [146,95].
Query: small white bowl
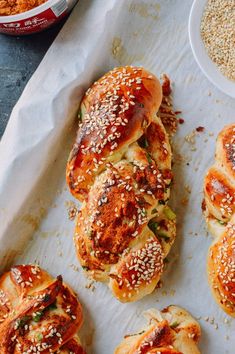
[199,51]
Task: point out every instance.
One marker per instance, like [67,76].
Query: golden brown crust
[219,194]
[225,150]
[219,209]
[123,179]
[164,351]
[137,273]
[166,111]
[37,313]
[115,111]
[113,209]
[72,346]
[157,336]
[221,269]
[117,209]
[171,331]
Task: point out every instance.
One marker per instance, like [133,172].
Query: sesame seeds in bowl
[214,59]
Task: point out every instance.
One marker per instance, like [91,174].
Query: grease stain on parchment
[145,10]
[88,338]
[8,257]
[34,220]
[46,234]
[189,79]
[120,53]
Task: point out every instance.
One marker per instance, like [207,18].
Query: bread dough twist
[120,168]
[170,331]
[219,210]
[38,314]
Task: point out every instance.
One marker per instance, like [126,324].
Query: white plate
[205,63]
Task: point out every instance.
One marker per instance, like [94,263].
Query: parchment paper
[34,198]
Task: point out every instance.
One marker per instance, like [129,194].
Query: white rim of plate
[207,66]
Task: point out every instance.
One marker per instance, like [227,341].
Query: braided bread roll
[38,314]
[170,331]
[219,210]
[120,168]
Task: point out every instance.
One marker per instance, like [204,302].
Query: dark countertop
[19,58]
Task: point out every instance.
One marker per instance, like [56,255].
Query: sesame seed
[218,31]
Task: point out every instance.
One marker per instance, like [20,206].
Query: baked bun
[38,314]
[120,167]
[170,331]
[219,210]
